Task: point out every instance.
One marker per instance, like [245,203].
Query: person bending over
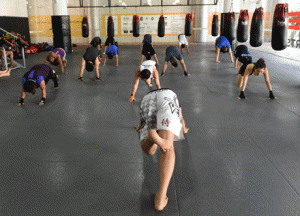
[148,51]
[242,56]
[172,55]
[223,45]
[182,43]
[37,77]
[256,69]
[147,39]
[109,41]
[112,51]
[57,57]
[161,126]
[147,72]
[92,57]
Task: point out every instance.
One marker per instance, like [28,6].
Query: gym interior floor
[80,155]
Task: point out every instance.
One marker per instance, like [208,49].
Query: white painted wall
[13,8]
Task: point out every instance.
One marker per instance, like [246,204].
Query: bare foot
[185,130]
[160,204]
[56,87]
[13,66]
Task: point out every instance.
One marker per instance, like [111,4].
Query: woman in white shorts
[183,43]
[161,124]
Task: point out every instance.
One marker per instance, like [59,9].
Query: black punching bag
[61,29]
[161,26]
[85,27]
[188,25]
[257,28]
[136,26]
[243,27]
[110,27]
[215,26]
[280,27]
[229,27]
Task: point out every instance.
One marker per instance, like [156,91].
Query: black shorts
[148,49]
[86,60]
[243,68]
[109,41]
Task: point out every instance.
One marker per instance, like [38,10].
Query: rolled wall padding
[62,32]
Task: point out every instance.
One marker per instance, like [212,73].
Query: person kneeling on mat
[183,43]
[256,69]
[57,57]
[109,41]
[92,57]
[161,126]
[112,51]
[223,45]
[172,55]
[148,51]
[242,56]
[37,77]
[147,72]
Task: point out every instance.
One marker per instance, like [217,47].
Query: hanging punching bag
[215,26]
[188,25]
[110,27]
[243,26]
[85,27]
[257,28]
[161,26]
[280,27]
[136,26]
[229,27]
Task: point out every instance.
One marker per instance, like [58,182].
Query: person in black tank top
[256,69]
[37,77]
[92,57]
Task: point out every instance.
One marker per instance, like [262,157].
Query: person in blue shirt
[112,51]
[172,55]
[37,77]
[223,45]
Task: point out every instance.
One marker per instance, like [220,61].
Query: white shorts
[183,40]
[160,111]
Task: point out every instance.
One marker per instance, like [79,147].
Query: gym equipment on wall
[243,26]
[136,25]
[85,27]
[188,25]
[110,27]
[280,27]
[257,27]
[215,26]
[161,26]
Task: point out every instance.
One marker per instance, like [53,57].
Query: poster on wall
[174,24]
[126,25]
[115,19]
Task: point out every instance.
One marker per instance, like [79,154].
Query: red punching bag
[161,26]
[136,25]
[110,27]
[257,28]
[280,27]
[188,25]
[243,26]
[229,27]
[85,27]
[215,26]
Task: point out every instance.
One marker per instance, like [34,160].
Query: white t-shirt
[149,64]
[182,40]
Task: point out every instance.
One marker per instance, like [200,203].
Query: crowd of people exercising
[161,120]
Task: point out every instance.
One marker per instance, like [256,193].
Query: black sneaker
[80,79]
